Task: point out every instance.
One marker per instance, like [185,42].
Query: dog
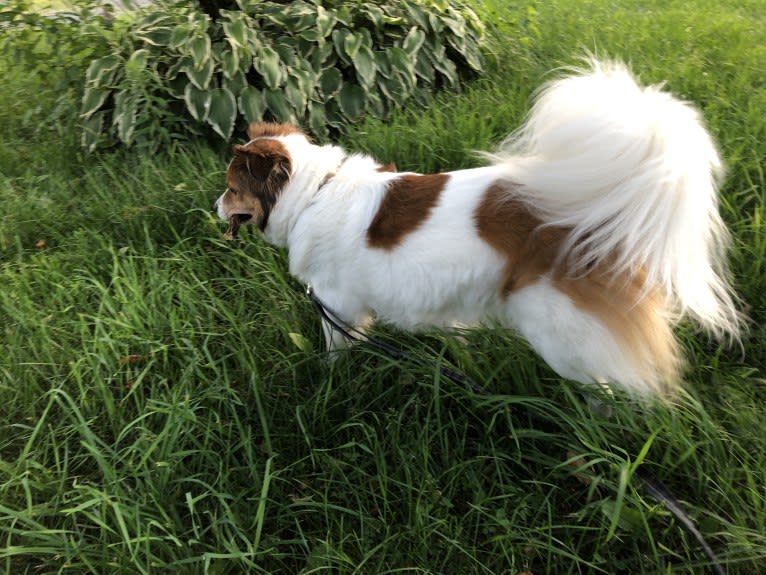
[593,230]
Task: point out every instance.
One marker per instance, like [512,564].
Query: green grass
[164,405]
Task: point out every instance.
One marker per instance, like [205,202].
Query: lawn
[165,406]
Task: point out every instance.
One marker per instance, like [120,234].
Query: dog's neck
[313,168]
[329,176]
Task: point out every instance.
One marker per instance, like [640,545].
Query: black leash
[659,491]
[355,335]
[653,485]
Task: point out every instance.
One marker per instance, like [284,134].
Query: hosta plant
[177,68]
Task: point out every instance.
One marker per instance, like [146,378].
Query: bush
[178,67]
[53,51]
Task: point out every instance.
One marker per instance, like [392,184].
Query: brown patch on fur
[507,225]
[255,177]
[637,318]
[271,130]
[635,315]
[387,168]
[406,205]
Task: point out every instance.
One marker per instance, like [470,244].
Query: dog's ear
[263,162]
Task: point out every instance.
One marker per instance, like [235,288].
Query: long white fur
[630,169]
[634,172]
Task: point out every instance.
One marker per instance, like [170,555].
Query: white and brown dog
[593,231]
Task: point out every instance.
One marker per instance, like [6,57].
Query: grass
[164,406]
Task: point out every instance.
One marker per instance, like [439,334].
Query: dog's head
[257,174]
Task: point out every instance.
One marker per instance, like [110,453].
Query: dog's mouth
[235,222]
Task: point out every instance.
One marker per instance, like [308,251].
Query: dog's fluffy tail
[633,172]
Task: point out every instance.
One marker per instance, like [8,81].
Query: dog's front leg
[340,326]
[335,340]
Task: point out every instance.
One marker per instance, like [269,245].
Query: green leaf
[456,25]
[323,57]
[325,21]
[267,64]
[351,44]
[344,15]
[252,104]
[176,86]
[352,101]
[236,83]
[180,36]
[413,40]
[136,64]
[299,16]
[278,106]
[286,51]
[312,36]
[333,114]
[613,508]
[339,40]
[364,63]
[394,20]
[296,94]
[236,29]
[403,65]
[474,57]
[200,78]
[223,112]
[156,36]
[152,19]
[644,451]
[417,14]
[229,63]
[92,100]
[306,77]
[200,50]
[318,119]
[448,69]
[330,82]
[436,24]
[424,69]
[301,342]
[395,89]
[197,102]
[98,68]
[92,129]
[626,518]
[468,51]
[421,96]
[374,14]
[376,105]
[383,64]
[275,15]
[254,44]
[125,116]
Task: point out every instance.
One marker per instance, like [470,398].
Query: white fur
[634,172]
[442,274]
[630,169]
[574,343]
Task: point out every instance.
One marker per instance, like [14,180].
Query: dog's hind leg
[599,402]
[574,342]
